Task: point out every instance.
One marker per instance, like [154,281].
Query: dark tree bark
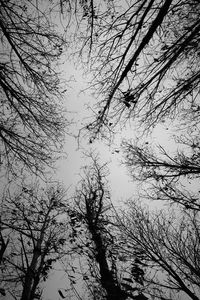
[3,246]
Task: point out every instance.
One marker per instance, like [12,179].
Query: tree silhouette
[170,177]
[32,120]
[144,60]
[34,222]
[109,273]
[170,245]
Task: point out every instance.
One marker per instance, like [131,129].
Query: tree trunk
[108,281]
[3,247]
[30,275]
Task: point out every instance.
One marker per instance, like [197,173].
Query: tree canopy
[143,60]
[32,120]
[143,56]
[33,234]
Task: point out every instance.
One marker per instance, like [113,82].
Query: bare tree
[108,272]
[144,59]
[35,223]
[169,244]
[32,119]
[171,177]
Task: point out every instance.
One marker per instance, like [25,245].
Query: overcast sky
[69,168]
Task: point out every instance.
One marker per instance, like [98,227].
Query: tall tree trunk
[3,247]
[108,281]
[30,275]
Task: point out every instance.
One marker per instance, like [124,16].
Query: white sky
[69,168]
